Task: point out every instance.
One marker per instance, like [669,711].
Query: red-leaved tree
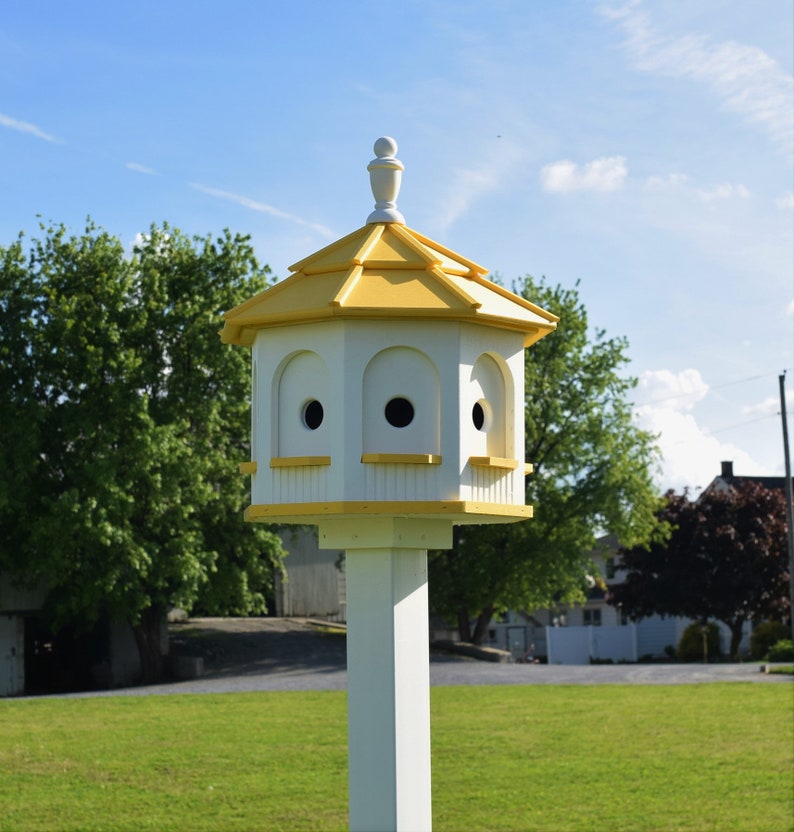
[725,559]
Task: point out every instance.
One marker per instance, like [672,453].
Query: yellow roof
[386,271]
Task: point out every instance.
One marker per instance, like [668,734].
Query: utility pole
[789,505]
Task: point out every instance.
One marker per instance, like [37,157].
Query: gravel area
[277,654]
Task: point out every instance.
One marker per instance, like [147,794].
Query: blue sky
[644,149]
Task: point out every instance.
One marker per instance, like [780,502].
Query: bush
[783,651]
[690,648]
[764,636]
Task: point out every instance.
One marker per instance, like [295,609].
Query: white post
[388,675]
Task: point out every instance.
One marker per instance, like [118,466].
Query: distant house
[596,630]
[727,479]
[35,660]
[593,631]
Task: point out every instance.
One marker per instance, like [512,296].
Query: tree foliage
[124,418]
[726,559]
[592,472]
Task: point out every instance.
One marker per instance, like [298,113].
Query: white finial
[385,175]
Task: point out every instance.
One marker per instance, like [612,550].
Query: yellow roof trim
[427,255]
[347,287]
[470,265]
[369,243]
[386,271]
[323,252]
[444,280]
[517,299]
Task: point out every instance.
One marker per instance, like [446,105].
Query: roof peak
[385,177]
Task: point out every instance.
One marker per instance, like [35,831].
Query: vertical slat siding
[383,481]
[492,485]
[307,484]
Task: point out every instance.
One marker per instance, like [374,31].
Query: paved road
[286,655]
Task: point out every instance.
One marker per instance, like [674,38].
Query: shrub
[764,636]
[783,651]
[690,648]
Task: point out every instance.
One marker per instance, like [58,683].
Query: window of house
[610,568]
[592,618]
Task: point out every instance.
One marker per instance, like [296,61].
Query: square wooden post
[388,668]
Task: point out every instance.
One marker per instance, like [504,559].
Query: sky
[642,151]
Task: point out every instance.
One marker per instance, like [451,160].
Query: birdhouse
[388,379]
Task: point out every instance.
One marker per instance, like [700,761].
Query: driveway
[271,654]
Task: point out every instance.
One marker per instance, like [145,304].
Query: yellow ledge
[529,468]
[298,461]
[248,467]
[493,462]
[299,512]
[403,459]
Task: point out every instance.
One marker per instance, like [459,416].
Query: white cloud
[680,182]
[25,127]
[263,208]
[786,202]
[724,191]
[138,168]
[691,456]
[604,174]
[664,183]
[678,391]
[467,185]
[744,78]
[769,406]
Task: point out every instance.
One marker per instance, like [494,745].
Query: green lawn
[710,757]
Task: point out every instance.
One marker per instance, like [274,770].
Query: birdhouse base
[459,512]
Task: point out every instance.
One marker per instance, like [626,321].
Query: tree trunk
[481,627]
[147,633]
[464,625]
[736,637]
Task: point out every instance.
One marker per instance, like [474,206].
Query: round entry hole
[313,414]
[481,415]
[399,412]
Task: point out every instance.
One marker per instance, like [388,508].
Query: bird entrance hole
[313,414]
[399,412]
[481,415]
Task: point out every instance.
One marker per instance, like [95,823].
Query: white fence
[578,645]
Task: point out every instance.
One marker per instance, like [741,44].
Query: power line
[744,424]
[710,388]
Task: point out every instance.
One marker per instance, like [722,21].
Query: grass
[710,757]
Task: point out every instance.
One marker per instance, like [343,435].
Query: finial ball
[385,146]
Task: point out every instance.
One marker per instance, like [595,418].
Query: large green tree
[592,472]
[726,558]
[124,419]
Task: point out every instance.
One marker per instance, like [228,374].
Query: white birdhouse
[388,379]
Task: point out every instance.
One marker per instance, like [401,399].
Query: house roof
[773,483]
[727,479]
[386,270]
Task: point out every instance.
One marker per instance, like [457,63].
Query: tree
[726,558]
[124,418]
[592,471]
